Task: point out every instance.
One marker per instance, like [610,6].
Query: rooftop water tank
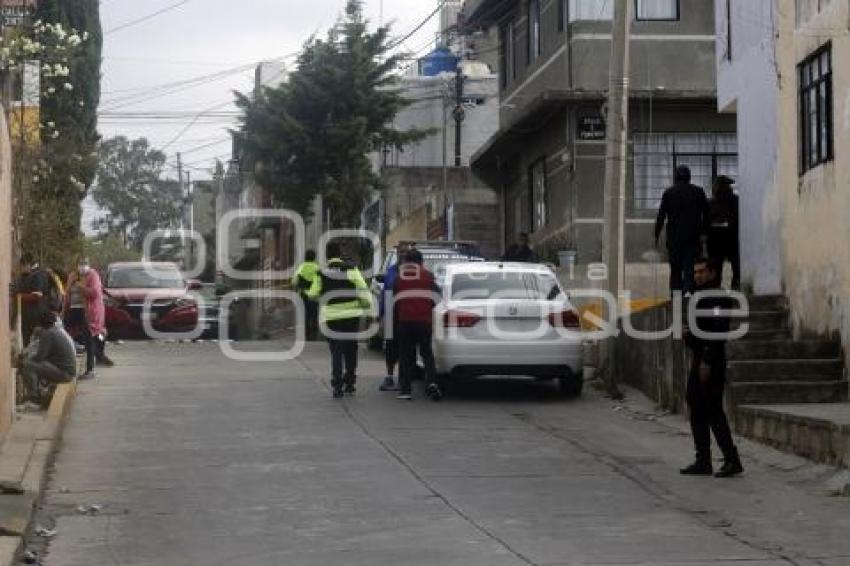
[441,60]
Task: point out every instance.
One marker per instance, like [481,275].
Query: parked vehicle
[128,286]
[437,255]
[507,319]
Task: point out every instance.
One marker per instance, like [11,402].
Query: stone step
[776,392]
[783,349]
[787,369]
[768,320]
[764,335]
[819,432]
[768,302]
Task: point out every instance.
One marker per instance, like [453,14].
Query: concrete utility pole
[459,114]
[182,216]
[616,158]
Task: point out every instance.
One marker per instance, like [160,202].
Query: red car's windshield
[150,277]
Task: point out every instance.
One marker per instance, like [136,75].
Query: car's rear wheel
[571,385]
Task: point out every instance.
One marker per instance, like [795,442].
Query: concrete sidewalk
[24,458]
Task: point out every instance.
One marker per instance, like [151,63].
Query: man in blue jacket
[391,352]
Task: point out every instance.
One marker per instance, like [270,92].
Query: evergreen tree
[72,157]
[314,134]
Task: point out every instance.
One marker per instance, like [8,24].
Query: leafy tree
[131,189]
[109,248]
[73,155]
[313,135]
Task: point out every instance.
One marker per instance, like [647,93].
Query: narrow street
[198,460]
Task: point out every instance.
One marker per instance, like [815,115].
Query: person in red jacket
[414,307]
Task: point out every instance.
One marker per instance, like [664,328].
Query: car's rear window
[151,277]
[513,285]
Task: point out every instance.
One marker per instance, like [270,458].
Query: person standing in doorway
[414,290]
[684,209]
[344,302]
[304,278]
[707,378]
[723,232]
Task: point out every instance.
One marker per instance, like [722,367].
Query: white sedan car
[507,319]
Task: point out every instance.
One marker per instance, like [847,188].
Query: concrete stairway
[784,392]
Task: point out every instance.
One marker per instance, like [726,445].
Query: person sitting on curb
[52,358]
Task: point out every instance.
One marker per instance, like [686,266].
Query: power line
[143,19]
[415,30]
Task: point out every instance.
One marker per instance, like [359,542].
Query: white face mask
[84,269]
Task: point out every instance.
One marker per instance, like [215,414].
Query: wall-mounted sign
[15,16]
[591,127]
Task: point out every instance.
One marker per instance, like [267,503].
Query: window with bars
[656,157]
[534,44]
[816,129]
[657,10]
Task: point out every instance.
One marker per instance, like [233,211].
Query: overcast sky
[204,37]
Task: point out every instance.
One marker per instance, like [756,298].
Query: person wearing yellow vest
[344,302]
[303,280]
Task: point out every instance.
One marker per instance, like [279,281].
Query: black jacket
[685,210]
[710,352]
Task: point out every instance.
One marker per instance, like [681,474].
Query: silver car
[507,319]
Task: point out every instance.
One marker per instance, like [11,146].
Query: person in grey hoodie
[53,358]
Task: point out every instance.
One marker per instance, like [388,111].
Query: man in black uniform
[684,208]
[521,251]
[707,379]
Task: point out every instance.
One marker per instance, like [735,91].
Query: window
[591,10]
[657,9]
[539,195]
[656,157]
[816,109]
[533,30]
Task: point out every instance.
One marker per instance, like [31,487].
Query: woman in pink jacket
[86,286]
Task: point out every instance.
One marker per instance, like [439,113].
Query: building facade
[547,159]
[784,70]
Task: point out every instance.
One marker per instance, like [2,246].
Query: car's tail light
[460,319]
[566,319]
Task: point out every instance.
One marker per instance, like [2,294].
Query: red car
[128,286]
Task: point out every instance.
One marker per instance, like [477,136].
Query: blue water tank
[441,60]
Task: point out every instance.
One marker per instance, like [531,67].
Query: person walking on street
[684,209]
[521,251]
[388,319]
[723,232]
[53,359]
[707,379]
[344,302]
[413,291]
[86,287]
[304,278]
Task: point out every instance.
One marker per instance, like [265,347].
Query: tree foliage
[313,135]
[73,155]
[131,189]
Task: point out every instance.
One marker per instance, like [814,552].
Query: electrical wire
[143,19]
[416,29]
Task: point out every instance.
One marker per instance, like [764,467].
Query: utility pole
[459,114]
[617,136]
[182,216]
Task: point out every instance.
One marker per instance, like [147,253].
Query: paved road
[198,460]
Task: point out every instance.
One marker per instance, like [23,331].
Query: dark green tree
[314,134]
[131,189]
[72,157]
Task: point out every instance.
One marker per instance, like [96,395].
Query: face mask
[84,269]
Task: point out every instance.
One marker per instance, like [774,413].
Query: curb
[34,471]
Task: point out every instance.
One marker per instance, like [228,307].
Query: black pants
[413,336]
[682,258]
[311,319]
[95,345]
[723,246]
[391,351]
[707,415]
[344,352]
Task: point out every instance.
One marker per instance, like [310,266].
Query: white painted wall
[748,84]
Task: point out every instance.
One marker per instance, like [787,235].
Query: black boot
[337,392]
[732,466]
[702,467]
